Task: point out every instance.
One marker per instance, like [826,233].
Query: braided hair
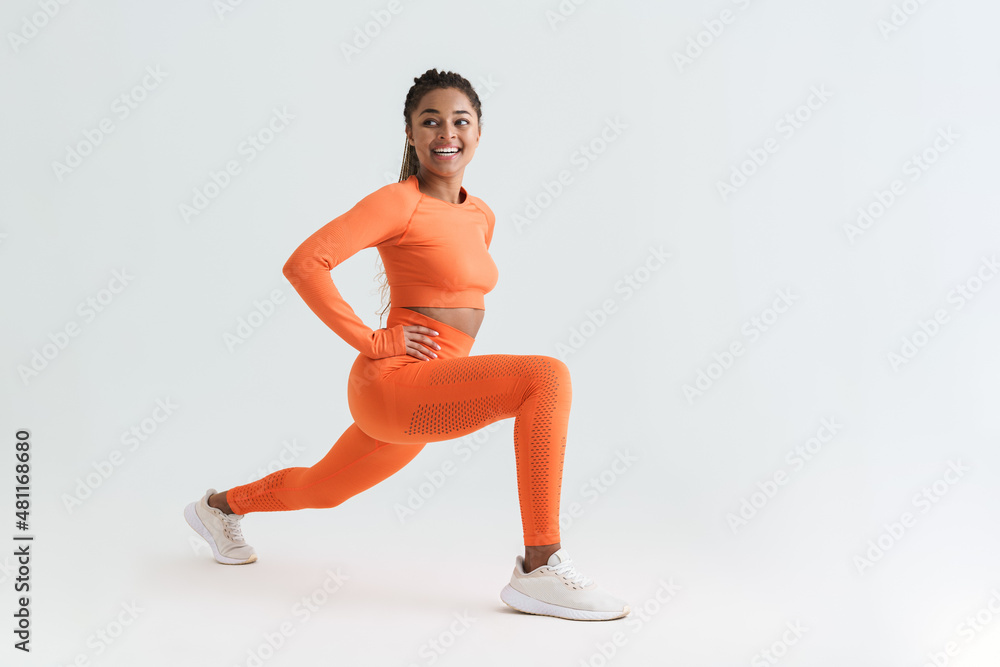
[430,80]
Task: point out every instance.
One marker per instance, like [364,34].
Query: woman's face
[444,118]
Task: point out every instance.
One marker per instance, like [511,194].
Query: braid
[430,80]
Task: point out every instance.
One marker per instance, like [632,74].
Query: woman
[414,381]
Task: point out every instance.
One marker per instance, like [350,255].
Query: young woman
[414,381]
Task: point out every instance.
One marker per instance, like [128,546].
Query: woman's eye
[460,120]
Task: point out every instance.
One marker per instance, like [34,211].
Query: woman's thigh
[426,401]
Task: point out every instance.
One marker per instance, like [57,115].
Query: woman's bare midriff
[467,320]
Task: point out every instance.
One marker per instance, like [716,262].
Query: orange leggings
[400,403]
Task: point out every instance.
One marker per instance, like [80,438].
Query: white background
[550,84]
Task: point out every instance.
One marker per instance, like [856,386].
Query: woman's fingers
[422,335]
[414,350]
[419,341]
[420,329]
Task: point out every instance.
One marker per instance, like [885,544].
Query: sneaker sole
[515,599]
[193,520]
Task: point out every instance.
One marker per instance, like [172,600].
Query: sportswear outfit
[436,254]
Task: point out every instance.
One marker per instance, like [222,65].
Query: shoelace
[233,530]
[566,570]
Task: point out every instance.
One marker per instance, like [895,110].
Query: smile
[445,153]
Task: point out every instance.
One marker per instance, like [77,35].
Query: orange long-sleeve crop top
[435,253]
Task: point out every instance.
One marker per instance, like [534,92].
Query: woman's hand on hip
[419,343]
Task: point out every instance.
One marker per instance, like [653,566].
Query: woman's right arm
[381,217]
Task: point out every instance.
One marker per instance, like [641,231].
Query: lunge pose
[414,381]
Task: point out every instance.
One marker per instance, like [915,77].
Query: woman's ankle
[535,557]
[219,502]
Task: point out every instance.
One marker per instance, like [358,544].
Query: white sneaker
[220,530]
[557,589]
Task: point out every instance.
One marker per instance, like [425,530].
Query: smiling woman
[441,138]
[414,381]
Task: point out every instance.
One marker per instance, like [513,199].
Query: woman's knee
[551,370]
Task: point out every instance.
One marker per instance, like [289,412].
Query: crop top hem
[427,297]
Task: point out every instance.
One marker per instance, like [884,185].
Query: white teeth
[446,151]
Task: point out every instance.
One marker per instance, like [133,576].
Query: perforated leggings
[400,403]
